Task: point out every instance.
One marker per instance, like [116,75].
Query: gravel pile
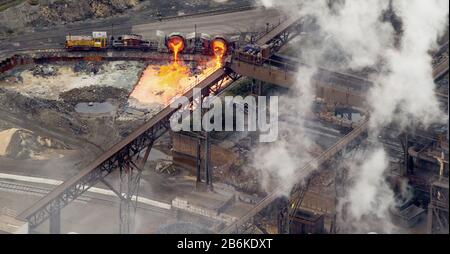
[94,94]
[87,67]
[45,71]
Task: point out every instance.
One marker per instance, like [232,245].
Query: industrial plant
[224,117]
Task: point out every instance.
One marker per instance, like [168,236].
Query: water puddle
[94,107]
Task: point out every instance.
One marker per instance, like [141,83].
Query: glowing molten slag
[219,47]
[160,84]
[176,45]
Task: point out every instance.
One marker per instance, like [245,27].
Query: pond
[94,107]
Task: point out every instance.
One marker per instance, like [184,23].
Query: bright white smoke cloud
[406,92]
[279,162]
[370,197]
[404,86]
[367,184]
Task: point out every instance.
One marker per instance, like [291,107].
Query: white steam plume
[365,206]
[404,86]
[406,92]
[279,162]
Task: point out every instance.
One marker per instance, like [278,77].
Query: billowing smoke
[369,198]
[279,162]
[405,88]
[392,38]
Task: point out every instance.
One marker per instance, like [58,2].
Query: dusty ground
[24,144]
[32,14]
[82,98]
[49,98]
[65,78]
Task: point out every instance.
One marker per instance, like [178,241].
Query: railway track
[14,187]
[27,189]
[106,24]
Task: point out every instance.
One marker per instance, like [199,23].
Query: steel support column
[146,155]
[129,188]
[408,169]
[256,87]
[116,157]
[438,221]
[120,154]
[208,169]
[55,222]
[283,216]
[198,163]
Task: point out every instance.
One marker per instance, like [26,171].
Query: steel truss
[122,160]
[126,160]
[337,148]
[438,208]
[129,189]
[123,156]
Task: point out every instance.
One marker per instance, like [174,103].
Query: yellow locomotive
[98,41]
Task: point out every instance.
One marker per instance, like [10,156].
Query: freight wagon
[132,41]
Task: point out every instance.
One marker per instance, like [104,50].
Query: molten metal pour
[219,48]
[159,84]
[176,45]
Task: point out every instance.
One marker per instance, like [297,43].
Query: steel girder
[121,158]
[118,160]
[438,221]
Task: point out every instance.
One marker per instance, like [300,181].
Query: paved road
[229,23]
[234,22]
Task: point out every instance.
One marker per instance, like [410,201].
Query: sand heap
[24,144]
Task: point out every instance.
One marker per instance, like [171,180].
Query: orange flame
[160,84]
[176,45]
[219,49]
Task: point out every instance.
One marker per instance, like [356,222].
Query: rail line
[85,198]
[120,26]
[32,190]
